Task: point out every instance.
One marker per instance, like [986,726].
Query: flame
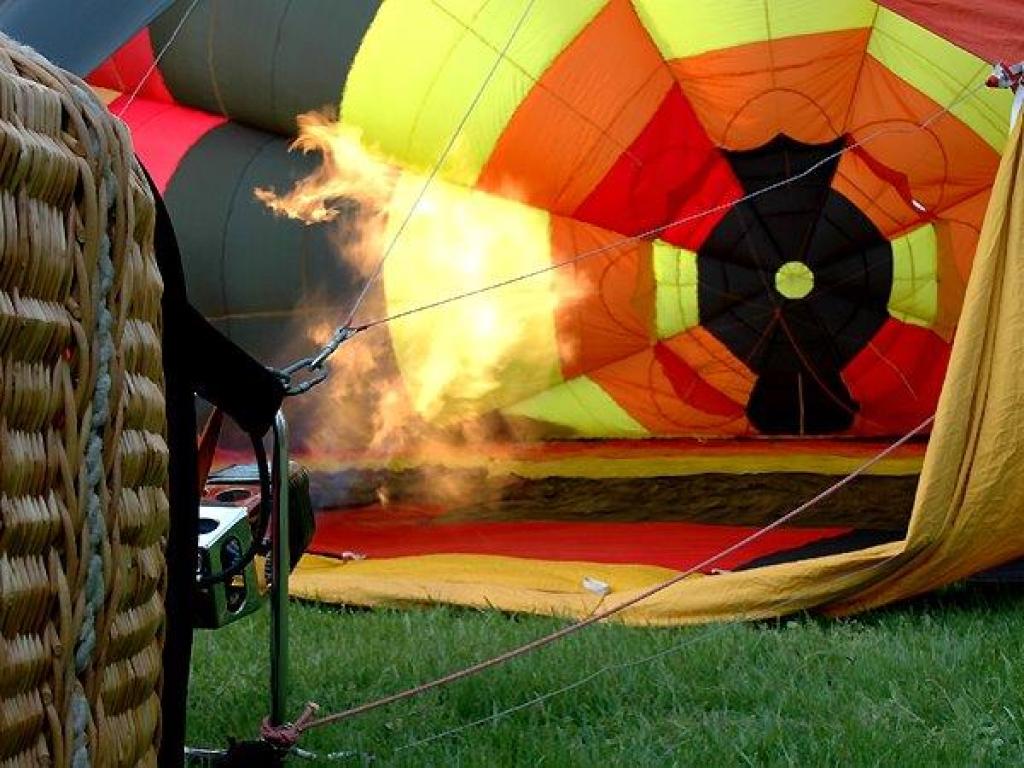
[486,349]
[429,377]
[349,173]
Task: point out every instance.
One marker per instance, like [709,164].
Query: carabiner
[315,365]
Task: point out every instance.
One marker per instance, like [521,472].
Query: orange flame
[348,174]
[402,393]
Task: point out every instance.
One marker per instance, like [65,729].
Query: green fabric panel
[675,275]
[239,258]
[582,406]
[422,64]
[915,291]
[262,62]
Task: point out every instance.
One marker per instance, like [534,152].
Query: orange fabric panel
[957,230]
[606,311]
[581,116]
[714,363]
[800,86]
[877,198]
[944,163]
[640,385]
[961,224]
[956,227]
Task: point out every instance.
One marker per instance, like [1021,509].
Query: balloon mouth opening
[794,280]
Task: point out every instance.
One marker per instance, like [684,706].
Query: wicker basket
[83,456]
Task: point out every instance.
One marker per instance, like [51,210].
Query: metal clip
[315,366]
[340,336]
[316,376]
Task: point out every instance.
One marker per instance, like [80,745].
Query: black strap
[197,358]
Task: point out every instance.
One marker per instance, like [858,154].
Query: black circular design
[797,347]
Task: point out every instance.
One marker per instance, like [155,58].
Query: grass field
[936,682]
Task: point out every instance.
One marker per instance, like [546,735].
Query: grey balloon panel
[242,262]
[274,341]
[77,34]
[262,62]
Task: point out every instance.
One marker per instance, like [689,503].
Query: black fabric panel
[240,259]
[753,499]
[77,34]
[801,402]
[796,346]
[199,197]
[833,545]
[262,62]
[1008,573]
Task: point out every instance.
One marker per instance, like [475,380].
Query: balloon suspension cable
[285,737]
[156,60]
[348,330]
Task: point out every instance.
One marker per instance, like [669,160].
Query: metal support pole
[280,570]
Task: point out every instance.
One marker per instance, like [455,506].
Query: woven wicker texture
[83,457]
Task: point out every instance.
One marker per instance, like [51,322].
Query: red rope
[287,736]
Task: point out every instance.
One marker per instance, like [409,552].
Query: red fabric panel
[398,531]
[897,377]
[990,29]
[896,179]
[671,170]
[123,71]
[163,133]
[691,388]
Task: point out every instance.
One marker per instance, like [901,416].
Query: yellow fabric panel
[967,516]
[943,72]
[478,353]
[556,588]
[580,405]
[914,297]
[646,466]
[482,581]
[683,28]
[421,64]
[969,511]
[675,275]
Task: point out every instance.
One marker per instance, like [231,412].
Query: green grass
[939,681]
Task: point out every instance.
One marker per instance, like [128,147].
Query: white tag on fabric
[596,586]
